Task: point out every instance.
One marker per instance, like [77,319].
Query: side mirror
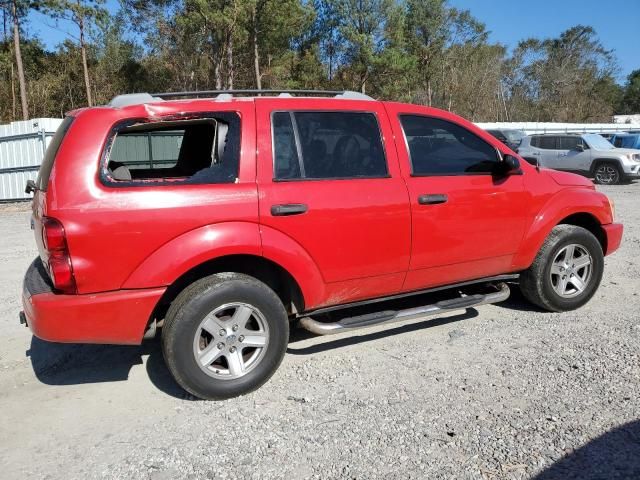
[580,147]
[508,164]
[511,165]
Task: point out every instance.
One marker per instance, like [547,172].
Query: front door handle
[432,199]
[287,209]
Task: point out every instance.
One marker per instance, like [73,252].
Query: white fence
[22,147]
[549,127]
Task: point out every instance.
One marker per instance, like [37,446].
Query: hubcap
[607,174]
[571,271]
[231,341]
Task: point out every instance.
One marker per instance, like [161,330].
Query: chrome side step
[392,316]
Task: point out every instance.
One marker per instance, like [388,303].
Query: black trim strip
[497,278]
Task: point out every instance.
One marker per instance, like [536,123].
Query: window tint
[569,143]
[438,147]
[324,145]
[50,155]
[286,161]
[546,142]
[202,150]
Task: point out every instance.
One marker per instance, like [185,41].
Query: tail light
[59,260]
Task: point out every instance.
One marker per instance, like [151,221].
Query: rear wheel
[567,270]
[607,174]
[224,336]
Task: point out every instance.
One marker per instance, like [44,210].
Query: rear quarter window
[205,149]
[50,155]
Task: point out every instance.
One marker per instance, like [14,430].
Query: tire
[608,173]
[205,353]
[543,281]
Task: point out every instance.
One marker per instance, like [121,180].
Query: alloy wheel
[231,341]
[607,174]
[571,271]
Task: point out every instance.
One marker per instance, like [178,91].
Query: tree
[18,10]
[630,101]
[82,13]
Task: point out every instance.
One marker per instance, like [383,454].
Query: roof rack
[138,98]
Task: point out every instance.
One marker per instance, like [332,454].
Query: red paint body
[359,239]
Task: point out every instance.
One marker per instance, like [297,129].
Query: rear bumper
[613,231]
[118,317]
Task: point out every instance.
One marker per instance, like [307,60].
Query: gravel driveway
[503,391]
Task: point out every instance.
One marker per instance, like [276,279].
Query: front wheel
[566,272]
[607,174]
[224,336]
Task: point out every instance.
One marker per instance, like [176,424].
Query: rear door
[329,179]
[466,222]
[548,146]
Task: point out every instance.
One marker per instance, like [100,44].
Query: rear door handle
[287,209]
[432,199]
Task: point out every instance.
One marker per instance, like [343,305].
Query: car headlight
[633,157]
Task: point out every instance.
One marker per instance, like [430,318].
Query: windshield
[514,136]
[626,142]
[597,142]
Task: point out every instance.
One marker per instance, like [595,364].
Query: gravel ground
[504,391]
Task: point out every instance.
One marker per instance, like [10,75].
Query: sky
[617,23]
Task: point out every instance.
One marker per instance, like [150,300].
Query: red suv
[223,219]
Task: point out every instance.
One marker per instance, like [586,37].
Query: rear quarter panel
[112,231]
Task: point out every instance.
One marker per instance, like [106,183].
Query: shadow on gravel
[614,455]
[75,364]
[516,301]
[299,334]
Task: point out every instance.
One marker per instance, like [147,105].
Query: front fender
[190,249]
[561,205]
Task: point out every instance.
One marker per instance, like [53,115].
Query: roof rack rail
[210,93]
[139,98]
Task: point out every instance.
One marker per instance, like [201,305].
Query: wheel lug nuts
[232,349]
[235,328]
[241,338]
[220,346]
[222,332]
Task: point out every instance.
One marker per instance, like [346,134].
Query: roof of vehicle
[129,99]
[626,134]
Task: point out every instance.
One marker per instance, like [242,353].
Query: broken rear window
[197,150]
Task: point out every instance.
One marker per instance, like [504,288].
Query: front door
[574,154]
[467,222]
[330,181]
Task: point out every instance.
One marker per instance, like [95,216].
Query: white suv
[589,154]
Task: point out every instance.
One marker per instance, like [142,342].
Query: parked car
[589,154]
[626,140]
[510,137]
[266,210]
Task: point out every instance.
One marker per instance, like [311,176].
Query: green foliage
[421,51]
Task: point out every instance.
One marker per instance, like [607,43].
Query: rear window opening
[202,150]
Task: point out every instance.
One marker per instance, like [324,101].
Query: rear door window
[50,155]
[547,143]
[327,145]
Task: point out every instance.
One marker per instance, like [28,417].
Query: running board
[392,316]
